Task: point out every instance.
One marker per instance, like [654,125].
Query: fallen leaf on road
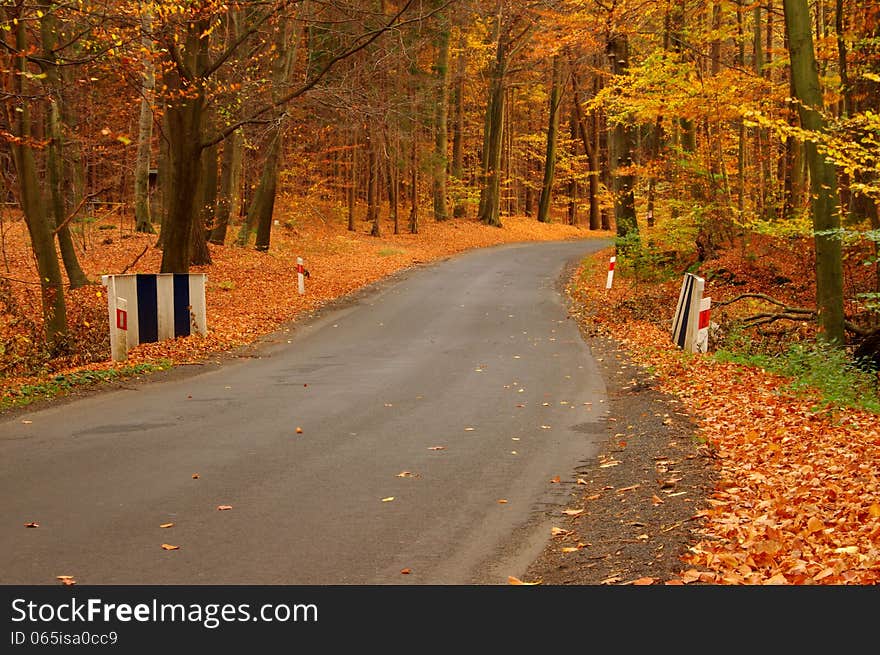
[502,501]
[611,580]
[555,479]
[644,581]
[656,500]
[170,547]
[559,532]
[437,448]
[406,474]
[299,430]
[469,429]
[224,507]
[572,512]
[167,525]
[516,581]
[581,481]
[545,427]
[32,524]
[405,571]
[388,500]
[625,489]
[66,580]
[196,476]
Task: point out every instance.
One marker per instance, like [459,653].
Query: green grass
[389,252]
[814,369]
[61,384]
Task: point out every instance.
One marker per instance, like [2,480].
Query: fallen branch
[786,313]
[771,317]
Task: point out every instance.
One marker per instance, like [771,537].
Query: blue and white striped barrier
[146,307]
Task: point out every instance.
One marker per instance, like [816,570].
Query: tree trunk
[32,204]
[826,218]
[229,195]
[262,208]
[493,136]
[621,145]
[441,131]
[55,155]
[142,215]
[459,210]
[552,138]
[184,119]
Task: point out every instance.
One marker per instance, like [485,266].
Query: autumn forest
[676,125]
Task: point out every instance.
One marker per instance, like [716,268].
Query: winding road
[435,410]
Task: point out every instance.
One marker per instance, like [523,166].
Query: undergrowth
[811,367]
[59,385]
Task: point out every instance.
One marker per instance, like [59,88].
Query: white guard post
[686,322]
[610,279]
[300,276]
[144,308]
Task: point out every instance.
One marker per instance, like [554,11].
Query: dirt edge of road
[641,494]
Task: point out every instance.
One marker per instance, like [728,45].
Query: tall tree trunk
[493,134]
[285,41]
[826,218]
[262,207]
[56,173]
[32,204]
[441,130]
[459,210]
[552,138]
[573,191]
[229,194]
[142,215]
[184,119]
[373,214]
[206,194]
[351,190]
[621,145]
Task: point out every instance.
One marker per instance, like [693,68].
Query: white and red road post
[300,276]
[610,279]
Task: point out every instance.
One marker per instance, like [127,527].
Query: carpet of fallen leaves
[248,293]
[798,497]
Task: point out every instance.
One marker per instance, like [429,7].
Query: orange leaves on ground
[167,525]
[32,524]
[170,547]
[195,476]
[437,448]
[405,571]
[239,305]
[798,494]
[223,508]
[299,430]
[516,581]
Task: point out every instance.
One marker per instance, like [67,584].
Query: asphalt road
[422,404]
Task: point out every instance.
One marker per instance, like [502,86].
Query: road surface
[423,404]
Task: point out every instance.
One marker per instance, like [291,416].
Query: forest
[682,128]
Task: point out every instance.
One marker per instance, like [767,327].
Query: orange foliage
[798,493]
[248,293]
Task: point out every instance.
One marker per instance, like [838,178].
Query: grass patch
[389,252]
[812,368]
[61,384]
